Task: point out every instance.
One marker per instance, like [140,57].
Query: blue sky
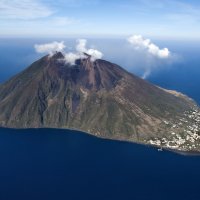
[153,18]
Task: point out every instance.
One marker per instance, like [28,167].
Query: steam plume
[70,57]
[140,43]
[50,48]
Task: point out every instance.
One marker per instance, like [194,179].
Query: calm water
[57,164]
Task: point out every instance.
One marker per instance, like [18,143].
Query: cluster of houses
[184,135]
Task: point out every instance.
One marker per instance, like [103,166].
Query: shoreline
[183,153]
[179,152]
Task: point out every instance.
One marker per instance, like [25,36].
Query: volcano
[102,99]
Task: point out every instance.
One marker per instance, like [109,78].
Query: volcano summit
[100,98]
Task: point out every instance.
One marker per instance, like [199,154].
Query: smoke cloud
[50,48]
[81,48]
[70,57]
[81,45]
[140,43]
[152,55]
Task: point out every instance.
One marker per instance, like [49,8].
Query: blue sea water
[63,164]
[57,164]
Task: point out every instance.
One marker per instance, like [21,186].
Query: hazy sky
[152,18]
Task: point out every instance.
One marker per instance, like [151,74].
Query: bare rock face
[100,98]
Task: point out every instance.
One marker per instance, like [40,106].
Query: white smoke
[80,53]
[95,54]
[152,55]
[70,57]
[81,48]
[50,48]
[81,45]
[141,43]
[146,73]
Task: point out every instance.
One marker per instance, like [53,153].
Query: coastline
[179,152]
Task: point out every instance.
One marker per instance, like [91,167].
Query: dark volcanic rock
[97,97]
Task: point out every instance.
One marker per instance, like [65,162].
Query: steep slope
[100,98]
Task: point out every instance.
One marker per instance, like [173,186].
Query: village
[188,139]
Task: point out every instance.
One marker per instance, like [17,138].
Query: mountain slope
[100,98]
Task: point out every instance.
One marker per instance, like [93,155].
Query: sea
[53,164]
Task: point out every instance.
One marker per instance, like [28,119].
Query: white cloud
[23,9]
[76,3]
[94,53]
[62,21]
[145,44]
[80,53]
[50,48]
[69,57]
[152,56]
[81,45]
